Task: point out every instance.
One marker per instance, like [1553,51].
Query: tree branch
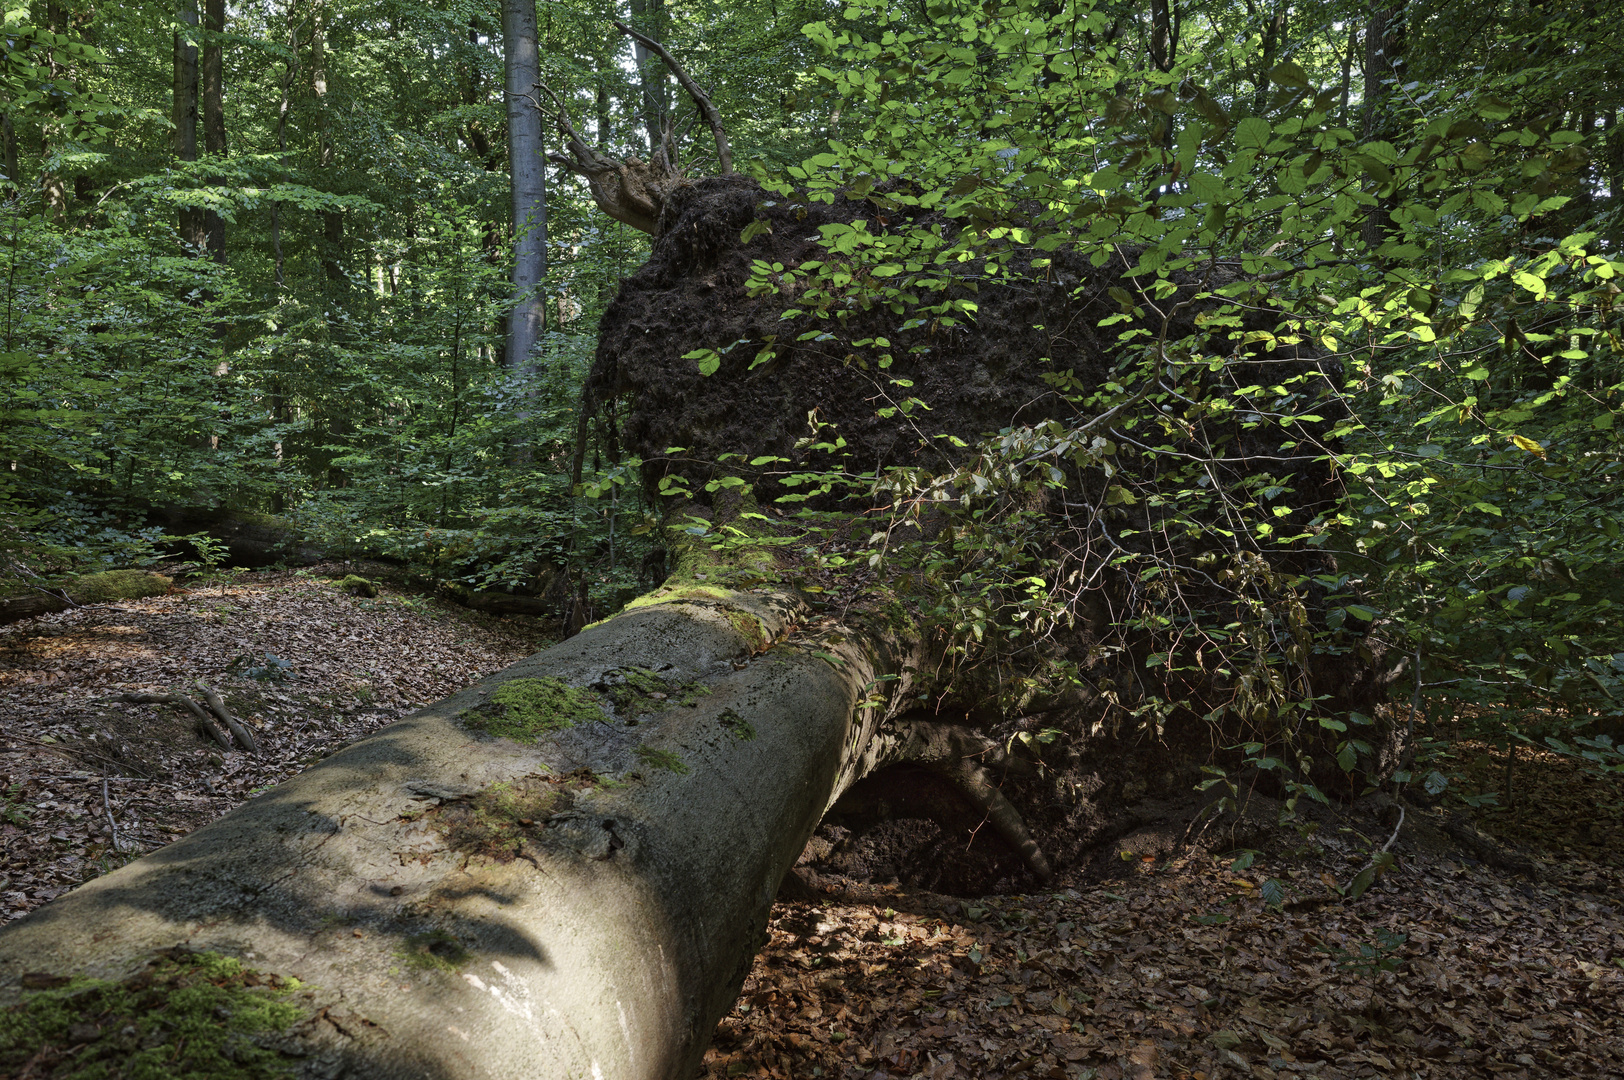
[724,155]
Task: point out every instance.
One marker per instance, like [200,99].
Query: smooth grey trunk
[648,17]
[332,221]
[527,171]
[214,114]
[617,938]
[184,111]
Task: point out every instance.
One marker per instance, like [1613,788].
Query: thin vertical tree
[528,181]
[214,115]
[184,112]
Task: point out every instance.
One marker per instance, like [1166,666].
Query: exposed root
[961,755]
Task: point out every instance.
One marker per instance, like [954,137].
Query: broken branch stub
[563,870]
[629,189]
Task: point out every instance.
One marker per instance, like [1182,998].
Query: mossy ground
[523,709]
[188,1016]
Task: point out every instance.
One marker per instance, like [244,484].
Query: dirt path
[1169,963]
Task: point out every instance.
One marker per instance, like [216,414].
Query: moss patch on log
[189,1016]
[356,585]
[498,821]
[639,692]
[434,950]
[117,585]
[525,709]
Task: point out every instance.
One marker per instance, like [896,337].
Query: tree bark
[617,932]
[527,172]
[214,115]
[1385,43]
[648,17]
[184,113]
[332,221]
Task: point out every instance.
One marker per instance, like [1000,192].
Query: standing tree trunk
[527,182]
[332,221]
[214,115]
[1384,73]
[184,112]
[54,193]
[291,72]
[648,18]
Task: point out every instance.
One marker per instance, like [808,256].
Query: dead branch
[724,155]
[239,731]
[202,723]
[628,190]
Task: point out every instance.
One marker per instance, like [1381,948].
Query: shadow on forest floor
[1157,961]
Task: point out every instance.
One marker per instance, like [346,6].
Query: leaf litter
[306,666]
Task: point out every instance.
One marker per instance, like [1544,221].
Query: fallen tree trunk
[455,904]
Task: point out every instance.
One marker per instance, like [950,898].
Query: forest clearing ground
[1164,965]
[306,666]
[1172,965]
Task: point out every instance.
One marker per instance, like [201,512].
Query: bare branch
[724,155]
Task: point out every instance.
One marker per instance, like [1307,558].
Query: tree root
[202,722]
[239,731]
[960,756]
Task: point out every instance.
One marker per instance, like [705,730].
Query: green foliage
[523,709]
[188,1015]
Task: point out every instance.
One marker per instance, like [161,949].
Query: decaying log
[584,905]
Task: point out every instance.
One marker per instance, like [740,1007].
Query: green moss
[498,821]
[356,585]
[749,627]
[677,592]
[736,725]
[661,759]
[435,950]
[188,1016]
[522,709]
[640,691]
[118,585]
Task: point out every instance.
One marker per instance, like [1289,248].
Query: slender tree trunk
[214,115]
[332,221]
[292,71]
[648,17]
[185,112]
[52,190]
[8,147]
[1385,42]
[528,176]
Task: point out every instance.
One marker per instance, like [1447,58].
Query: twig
[1396,828]
[239,731]
[118,845]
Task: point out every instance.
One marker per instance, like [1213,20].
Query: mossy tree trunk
[462,903]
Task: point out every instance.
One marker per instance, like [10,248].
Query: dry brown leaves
[1179,969]
[1447,968]
[344,666]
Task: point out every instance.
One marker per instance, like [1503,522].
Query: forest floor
[1170,963]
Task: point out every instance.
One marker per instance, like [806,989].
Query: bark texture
[604,941]
[528,182]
